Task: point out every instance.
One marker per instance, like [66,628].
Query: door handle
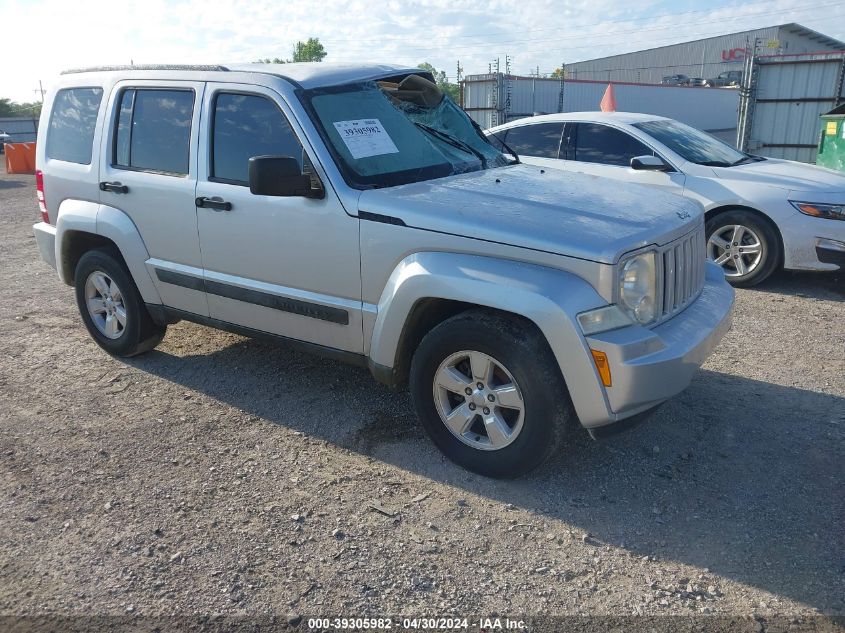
[114,187]
[216,203]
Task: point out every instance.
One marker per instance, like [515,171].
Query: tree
[309,51]
[452,90]
[558,73]
[12,108]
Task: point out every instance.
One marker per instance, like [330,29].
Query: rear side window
[154,130]
[597,143]
[72,122]
[541,139]
[247,126]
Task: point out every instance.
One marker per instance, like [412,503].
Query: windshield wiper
[454,142]
[486,138]
[715,163]
[746,159]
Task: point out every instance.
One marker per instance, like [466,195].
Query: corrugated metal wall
[704,108]
[787,95]
[704,58]
[21,130]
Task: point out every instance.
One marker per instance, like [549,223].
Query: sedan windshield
[694,145]
[389,133]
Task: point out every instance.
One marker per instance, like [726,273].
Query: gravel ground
[221,475]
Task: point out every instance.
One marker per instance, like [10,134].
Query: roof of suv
[306,74]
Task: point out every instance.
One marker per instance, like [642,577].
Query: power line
[472,47]
[557,28]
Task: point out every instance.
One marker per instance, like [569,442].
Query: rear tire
[519,408]
[111,306]
[745,245]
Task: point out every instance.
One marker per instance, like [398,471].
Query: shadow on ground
[829,286]
[739,476]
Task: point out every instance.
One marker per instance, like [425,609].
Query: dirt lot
[223,475]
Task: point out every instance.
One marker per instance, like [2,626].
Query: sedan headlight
[638,287]
[828,211]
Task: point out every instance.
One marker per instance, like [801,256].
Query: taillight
[39,193]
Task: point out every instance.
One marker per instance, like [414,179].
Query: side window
[245,126]
[72,123]
[542,139]
[597,143]
[154,130]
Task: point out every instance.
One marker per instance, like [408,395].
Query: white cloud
[51,35]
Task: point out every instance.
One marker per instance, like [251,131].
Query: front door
[285,265]
[148,170]
[601,150]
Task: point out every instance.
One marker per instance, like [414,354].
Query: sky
[41,38]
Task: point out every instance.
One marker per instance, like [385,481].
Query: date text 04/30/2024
[480,624]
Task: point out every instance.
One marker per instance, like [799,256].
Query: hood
[786,174]
[564,213]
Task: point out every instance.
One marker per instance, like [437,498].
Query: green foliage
[309,51]
[12,108]
[452,90]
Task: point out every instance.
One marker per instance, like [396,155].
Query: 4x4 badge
[683,214]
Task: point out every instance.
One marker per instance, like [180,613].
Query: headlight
[829,211]
[638,287]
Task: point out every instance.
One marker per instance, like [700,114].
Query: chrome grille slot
[683,272]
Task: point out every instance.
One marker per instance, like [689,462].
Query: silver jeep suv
[357,212]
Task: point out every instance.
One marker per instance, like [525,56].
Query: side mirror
[648,163]
[279,176]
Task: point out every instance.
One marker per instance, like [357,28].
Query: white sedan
[761,213]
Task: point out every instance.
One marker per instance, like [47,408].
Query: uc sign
[733,54]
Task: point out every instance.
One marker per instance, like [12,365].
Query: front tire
[488,391]
[111,306]
[744,245]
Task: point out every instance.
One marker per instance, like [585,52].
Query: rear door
[148,170]
[285,265]
[602,150]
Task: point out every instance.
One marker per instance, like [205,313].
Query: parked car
[727,78]
[355,211]
[697,81]
[675,80]
[761,213]
[4,138]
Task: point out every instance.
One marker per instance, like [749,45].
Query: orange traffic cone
[608,101]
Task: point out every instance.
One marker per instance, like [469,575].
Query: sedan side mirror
[280,176]
[648,163]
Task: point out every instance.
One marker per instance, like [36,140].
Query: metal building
[782,99]
[704,58]
[496,98]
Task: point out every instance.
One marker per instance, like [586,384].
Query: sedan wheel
[735,248]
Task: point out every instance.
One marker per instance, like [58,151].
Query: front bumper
[45,237]
[649,366]
[812,243]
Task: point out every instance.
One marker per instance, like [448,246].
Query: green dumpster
[832,139]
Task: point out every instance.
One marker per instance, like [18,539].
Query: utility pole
[40,90]
[560,93]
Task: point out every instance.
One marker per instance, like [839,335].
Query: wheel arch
[427,288]
[83,225]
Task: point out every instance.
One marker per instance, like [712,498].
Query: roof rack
[92,69]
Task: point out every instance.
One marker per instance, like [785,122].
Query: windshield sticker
[365,138]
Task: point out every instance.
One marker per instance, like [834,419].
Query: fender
[92,217]
[549,298]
